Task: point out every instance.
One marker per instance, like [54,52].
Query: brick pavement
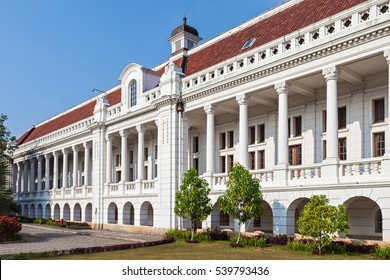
[41,238]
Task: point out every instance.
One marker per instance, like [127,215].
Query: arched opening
[66,212]
[365,218]
[219,219]
[25,210]
[47,211]
[32,211]
[57,212]
[265,223]
[112,214]
[88,212]
[77,212]
[293,213]
[128,214]
[39,211]
[146,214]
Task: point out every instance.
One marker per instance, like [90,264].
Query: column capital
[140,128]
[123,133]
[56,154]
[157,122]
[210,109]
[87,145]
[331,73]
[48,156]
[32,159]
[65,151]
[39,158]
[386,54]
[75,148]
[109,137]
[282,87]
[242,99]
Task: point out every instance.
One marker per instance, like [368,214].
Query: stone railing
[362,167]
[304,172]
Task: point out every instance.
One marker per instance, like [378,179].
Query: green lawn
[218,250]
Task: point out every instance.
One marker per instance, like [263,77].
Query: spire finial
[184,20]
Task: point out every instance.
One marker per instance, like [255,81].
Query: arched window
[133,93]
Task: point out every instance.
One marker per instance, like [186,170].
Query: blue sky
[53,52]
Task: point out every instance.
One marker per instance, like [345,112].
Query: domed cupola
[184,36]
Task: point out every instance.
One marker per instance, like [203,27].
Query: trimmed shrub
[382,253]
[301,246]
[9,228]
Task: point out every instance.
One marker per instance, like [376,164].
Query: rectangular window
[297,126]
[224,219]
[195,164]
[155,171]
[131,175]
[118,160]
[118,176]
[146,154]
[131,157]
[223,141]
[342,117]
[252,135]
[146,173]
[195,144]
[324,149]
[155,152]
[323,121]
[343,148]
[261,133]
[379,144]
[231,161]
[261,159]
[295,155]
[223,164]
[252,161]
[231,139]
[289,127]
[379,110]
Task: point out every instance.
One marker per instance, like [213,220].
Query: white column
[55,170]
[282,89]
[109,159]
[39,177]
[19,180]
[331,75]
[141,131]
[65,168]
[32,175]
[47,171]
[87,147]
[387,138]
[124,162]
[25,176]
[242,100]
[210,111]
[75,165]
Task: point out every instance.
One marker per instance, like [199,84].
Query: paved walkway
[41,238]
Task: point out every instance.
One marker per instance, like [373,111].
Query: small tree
[192,199]
[322,222]
[243,196]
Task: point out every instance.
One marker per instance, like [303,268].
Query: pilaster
[242,101]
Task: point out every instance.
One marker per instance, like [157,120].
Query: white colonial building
[299,95]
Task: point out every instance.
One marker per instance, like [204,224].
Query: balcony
[131,188]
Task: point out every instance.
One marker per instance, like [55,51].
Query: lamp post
[180,111]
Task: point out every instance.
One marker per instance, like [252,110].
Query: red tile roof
[287,21]
[69,118]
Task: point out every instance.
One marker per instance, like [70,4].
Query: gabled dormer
[135,80]
[184,37]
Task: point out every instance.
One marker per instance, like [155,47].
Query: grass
[218,250]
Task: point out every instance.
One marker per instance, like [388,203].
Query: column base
[281,175]
[330,171]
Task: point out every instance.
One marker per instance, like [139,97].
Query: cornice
[303,59]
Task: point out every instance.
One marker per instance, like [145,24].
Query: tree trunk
[192,230]
[239,233]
